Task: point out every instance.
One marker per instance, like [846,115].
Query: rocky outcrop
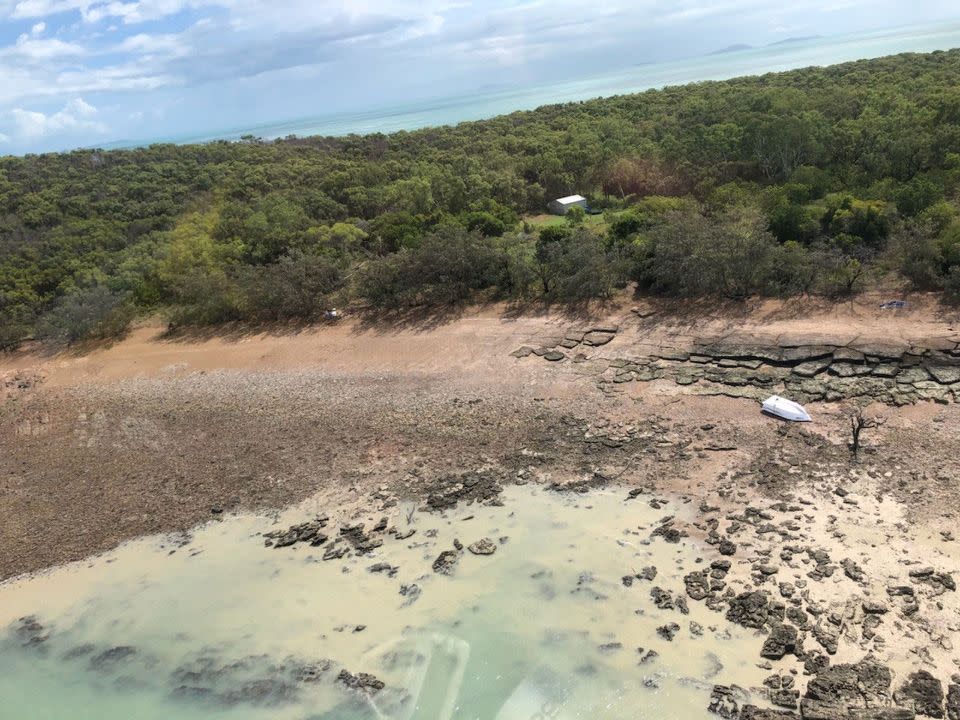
[814,367]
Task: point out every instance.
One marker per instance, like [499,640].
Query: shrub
[446,268]
[951,285]
[693,255]
[296,286]
[578,266]
[87,313]
[205,299]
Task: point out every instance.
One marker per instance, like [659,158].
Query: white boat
[785,409]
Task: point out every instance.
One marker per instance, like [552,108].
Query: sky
[79,73]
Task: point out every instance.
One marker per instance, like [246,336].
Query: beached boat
[785,409]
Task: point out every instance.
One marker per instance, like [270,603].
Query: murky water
[224,627]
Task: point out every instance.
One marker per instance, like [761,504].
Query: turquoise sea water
[480,105]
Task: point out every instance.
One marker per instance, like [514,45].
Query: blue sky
[83,72]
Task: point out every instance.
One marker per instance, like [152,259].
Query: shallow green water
[226,628]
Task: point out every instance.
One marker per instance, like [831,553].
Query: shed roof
[571,199]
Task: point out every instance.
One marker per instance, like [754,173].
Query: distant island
[792,40]
[738,47]
[732,48]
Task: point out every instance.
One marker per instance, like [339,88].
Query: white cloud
[33,49]
[76,115]
[4,138]
[38,28]
[167,44]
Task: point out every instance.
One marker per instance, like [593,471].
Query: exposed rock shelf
[805,368]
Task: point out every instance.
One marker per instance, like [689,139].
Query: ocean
[788,55]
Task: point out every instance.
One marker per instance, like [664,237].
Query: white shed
[562,206]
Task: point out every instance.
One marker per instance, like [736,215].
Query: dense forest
[822,180]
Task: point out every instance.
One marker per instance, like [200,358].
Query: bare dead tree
[858,423]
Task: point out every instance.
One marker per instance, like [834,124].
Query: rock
[924,692]
[752,712]
[726,547]
[870,625]
[785,698]
[661,598]
[111,657]
[30,632]
[598,337]
[841,691]
[953,701]
[899,590]
[944,375]
[647,573]
[335,552]
[697,584]
[484,546]
[723,702]
[827,633]
[304,532]
[782,640]
[852,570]
[553,356]
[361,681]
[411,593]
[390,570]
[811,368]
[445,562]
[668,631]
[611,647]
[750,609]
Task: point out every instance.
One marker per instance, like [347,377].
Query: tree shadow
[236,331]
[421,318]
[583,311]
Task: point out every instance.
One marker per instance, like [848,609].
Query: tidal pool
[224,627]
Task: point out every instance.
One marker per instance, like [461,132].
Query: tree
[858,423]
[575,216]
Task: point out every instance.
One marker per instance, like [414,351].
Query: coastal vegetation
[822,180]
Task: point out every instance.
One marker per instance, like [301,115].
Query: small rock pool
[223,627]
